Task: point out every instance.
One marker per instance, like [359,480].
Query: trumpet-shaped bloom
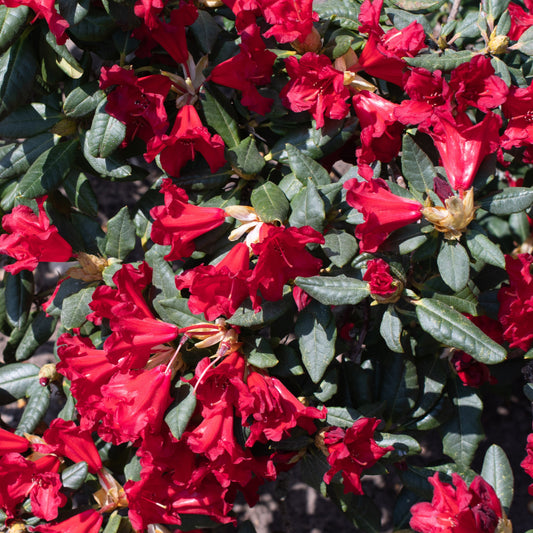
[291,20]
[519,110]
[521,20]
[88,521]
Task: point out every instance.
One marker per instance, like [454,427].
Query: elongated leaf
[316,332]
[80,193]
[48,170]
[340,247]
[454,265]
[343,12]
[483,249]
[181,410]
[64,59]
[93,28]
[403,444]
[106,133]
[418,5]
[19,295]
[463,433]
[120,235]
[205,30]
[29,120]
[262,354]
[453,329]
[498,473]
[305,168]
[220,120]
[15,380]
[510,200]
[343,417]
[336,290]
[391,329]
[82,100]
[308,208]
[496,7]
[108,167]
[74,476]
[38,403]
[525,42]
[433,373]
[75,308]
[246,157]
[73,10]
[40,330]
[447,61]
[417,168]
[12,23]
[270,203]
[175,311]
[246,317]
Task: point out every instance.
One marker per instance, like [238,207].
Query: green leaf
[80,192]
[75,308]
[74,476]
[12,23]
[336,290]
[82,100]
[463,433]
[246,157]
[181,410]
[108,167]
[525,42]
[447,61]
[106,133]
[391,329]
[24,155]
[361,510]
[433,373]
[15,379]
[483,249]
[73,10]
[403,444]
[18,67]
[29,121]
[64,59]
[120,235]
[339,247]
[67,288]
[316,332]
[175,311]
[220,120]
[38,402]
[453,329]
[39,331]
[417,168]
[343,12]
[19,297]
[497,472]
[308,208]
[305,168]
[262,354]
[93,28]
[270,203]
[401,19]
[495,7]
[463,304]
[510,200]
[418,5]
[454,265]
[205,30]
[246,317]
[48,170]
[343,417]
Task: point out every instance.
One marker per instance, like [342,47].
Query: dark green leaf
[246,157]
[93,27]
[453,329]
[39,331]
[447,61]
[28,121]
[67,288]
[262,354]
[74,10]
[270,203]
[38,402]
[64,59]
[246,317]
[360,509]
[80,193]
[306,168]
[463,433]
[74,476]
[343,12]
[435,417]
[48,170]
[468,28]
[403,444]
[510,200]
[175,311]
[340,247]
[483,249]
[220,120]
[181,410]
[12,23]
[316,333]
[498,473]
[391,329]
[308,208]
[205,30]
[82,100]
[337,290]
[417,168]
[75,308]
[106,133]
[433,373]
[19,296]
[467,304]
[454,265]
[418,5]
[343,417]
[15,379]
[109,166]
[120,235]
[495,7]
[401,19]
[18,67]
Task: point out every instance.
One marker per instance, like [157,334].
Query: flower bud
[48,373]
[498,43]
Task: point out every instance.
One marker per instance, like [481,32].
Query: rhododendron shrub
[261,234]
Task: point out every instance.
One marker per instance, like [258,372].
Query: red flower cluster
[379,278]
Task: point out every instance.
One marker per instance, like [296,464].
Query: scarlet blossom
[527,463]
[44,9]
[9,442]
[149,11]
[381,132]
[246,12]
[291,20]
[88,521]
[301,298]
[379,278]
[518,109]
[281,256]
[178,223]
[475,84]
[187,137]
[383,52]
[45,496]
[521,20]
[136,102]
[247,70]
[516,302]
[383,211]
[316,87]
[463,146]
[352,451]
[217,290]
[31,239]
[457,508]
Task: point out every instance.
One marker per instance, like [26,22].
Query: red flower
[136,102]
[463,146]
[9,442]
[381,132]
[188,136]
[220,289]
[316,87]
[251,67]
[527,463]
[88,521]
[31,239]
[45,496]
[383,211]
[353,451]
[291,20]
[282,256]
[520,19]
[458,509]
[519,110]
[178,223]
[379,278]
[516,302]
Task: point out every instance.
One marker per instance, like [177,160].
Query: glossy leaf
[335,290]
[454,265]
[19,297]
[181,410]
[445,62]
[343,12]
[510,200]
[75,308]
[308,209]
[246,317]
[483,249]
[38,403]
[246,157]
[305,168]
[220,120]
[262,354]
[15,379]
[498,473]
[82,100]
[120,235]
[40,330]
[12,23]
[270,203]
[339,247]
[29,121]
[417,168]
[391,329]
[74,476]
